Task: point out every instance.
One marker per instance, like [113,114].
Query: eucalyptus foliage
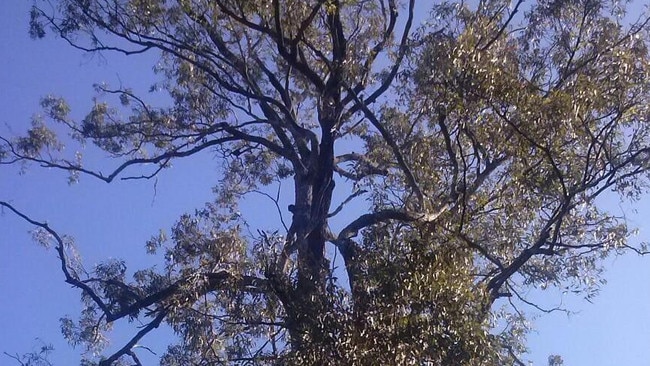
[462,145]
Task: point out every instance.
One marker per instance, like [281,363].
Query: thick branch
[370,219]
[494,285]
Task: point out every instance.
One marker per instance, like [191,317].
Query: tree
[479,139]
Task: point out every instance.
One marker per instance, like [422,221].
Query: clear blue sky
[115,220]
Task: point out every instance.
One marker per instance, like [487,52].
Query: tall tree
[479,139]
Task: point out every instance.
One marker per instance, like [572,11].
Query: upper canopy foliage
[479,135]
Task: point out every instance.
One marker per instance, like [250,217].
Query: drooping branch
[60,249]
[212,282]
[165,157]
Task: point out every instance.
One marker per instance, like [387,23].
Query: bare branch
[127,349]
[60,248]
[544,310]
[275,201]
[346,201]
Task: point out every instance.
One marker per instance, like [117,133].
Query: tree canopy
[459,147]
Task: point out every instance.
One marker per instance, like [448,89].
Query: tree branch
[387,82]
[129,345]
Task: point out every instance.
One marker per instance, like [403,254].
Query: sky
[114,220]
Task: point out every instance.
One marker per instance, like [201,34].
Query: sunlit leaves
[420,298]
[87,332]
[40,139]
